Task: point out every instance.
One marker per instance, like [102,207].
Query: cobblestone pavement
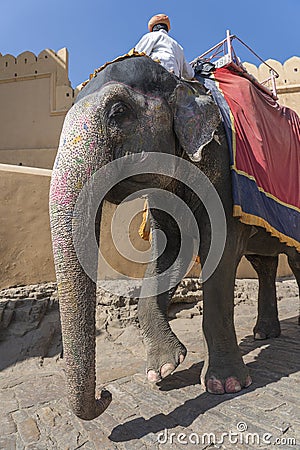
[177,413]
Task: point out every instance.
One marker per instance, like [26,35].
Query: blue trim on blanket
[257,203]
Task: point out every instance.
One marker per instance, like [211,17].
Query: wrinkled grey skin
[136,106]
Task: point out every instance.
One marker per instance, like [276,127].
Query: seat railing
[223,54]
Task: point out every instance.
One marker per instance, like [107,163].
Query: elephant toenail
[248,381]
[167,369]
[153,377]
[214,386]
[181,358]
[232,385]
[260,336]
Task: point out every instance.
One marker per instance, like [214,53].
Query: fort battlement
[48,64]
[288,83]
[27,63]
[289,71]
[35,94]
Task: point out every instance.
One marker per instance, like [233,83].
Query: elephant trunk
[77,302]
[76,289]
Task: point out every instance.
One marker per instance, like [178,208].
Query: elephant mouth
[143,178]
[130,156]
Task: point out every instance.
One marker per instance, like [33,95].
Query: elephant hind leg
[224,370]
[295,266]
[267,324]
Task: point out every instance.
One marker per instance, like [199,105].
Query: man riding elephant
[163,48]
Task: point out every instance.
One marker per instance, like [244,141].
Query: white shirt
[159,45]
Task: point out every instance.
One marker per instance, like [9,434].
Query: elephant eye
[120,115]
[117,110]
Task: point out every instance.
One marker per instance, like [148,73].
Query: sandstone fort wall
[35,94]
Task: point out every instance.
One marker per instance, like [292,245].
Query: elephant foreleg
[164,351]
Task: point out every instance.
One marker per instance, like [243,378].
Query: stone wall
[35,94]
[25,241]
[25,244]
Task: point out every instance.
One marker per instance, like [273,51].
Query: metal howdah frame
[224,55]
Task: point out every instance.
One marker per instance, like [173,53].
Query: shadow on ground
[35,338]
[276,358]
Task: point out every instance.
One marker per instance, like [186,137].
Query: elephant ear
[196,118]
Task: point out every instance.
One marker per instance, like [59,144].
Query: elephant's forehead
[142,73]
[117,90]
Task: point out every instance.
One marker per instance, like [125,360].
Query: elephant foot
[266,329]
[163,361]
[225,381]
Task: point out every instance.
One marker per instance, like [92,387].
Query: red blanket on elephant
[264,141]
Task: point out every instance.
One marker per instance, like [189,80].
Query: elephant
[135,108]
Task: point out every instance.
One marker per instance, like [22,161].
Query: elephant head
[133,106]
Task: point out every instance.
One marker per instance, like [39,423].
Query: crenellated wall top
[289,71]
[28,64]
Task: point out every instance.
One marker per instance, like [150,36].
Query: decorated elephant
[132,112]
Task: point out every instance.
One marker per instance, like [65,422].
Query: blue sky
[98,31]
